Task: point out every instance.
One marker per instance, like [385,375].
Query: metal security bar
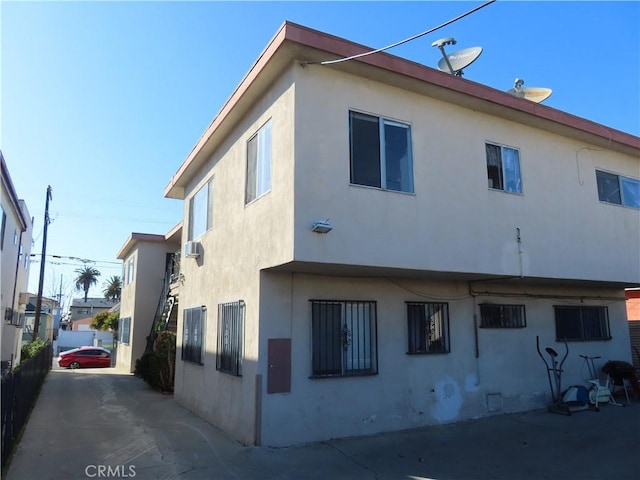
[344,338]
[428,327]
[192,334]
[230,337]
[502,316]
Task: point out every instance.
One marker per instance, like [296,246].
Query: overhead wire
[431,30]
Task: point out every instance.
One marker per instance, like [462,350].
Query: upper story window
[130,270]
[4,226]
[503,168]
[259,164]
[618,189]
[381,154]
[201,211]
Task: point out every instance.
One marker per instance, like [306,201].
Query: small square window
[502,316]
[381,154]
[503,168]
[344,338]
[428,325]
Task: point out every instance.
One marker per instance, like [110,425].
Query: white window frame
[258,173]
[407,184]
[130,270]
[201,211]
[625,198]
[505,182]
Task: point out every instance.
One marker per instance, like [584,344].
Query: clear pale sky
[103,101]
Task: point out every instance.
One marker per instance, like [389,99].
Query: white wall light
[321,226]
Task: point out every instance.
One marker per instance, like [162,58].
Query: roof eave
[407,74]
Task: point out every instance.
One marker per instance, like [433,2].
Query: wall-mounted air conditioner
[192,249]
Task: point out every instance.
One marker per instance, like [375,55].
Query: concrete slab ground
[96,423]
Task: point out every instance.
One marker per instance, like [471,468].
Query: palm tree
[87,277]
[113,288]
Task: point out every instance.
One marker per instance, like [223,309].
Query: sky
[103,101]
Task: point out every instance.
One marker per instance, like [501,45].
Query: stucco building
[15,250]
[145,290]
[375,245]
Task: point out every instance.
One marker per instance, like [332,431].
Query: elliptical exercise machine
[575,398]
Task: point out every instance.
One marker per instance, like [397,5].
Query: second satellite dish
[453,63]
[534,94]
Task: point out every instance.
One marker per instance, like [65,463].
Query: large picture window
[201,211]
[344,338]
[503,168]
[582,323]
[428,324]
[192,334]
[259,164]
[618,189]
[230,337]
[381,154]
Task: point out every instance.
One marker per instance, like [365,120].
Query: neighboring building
[15,250]
[45,326]
[81,309]
[49,306]
[145,291]
[633,315]
[375,245]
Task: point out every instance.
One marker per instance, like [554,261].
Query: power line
[473,10]
[82,260]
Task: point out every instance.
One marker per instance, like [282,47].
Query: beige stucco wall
[418,390]
[243,240]
[14,275]
[454,222]
[140,298]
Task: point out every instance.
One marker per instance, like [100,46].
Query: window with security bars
[428,324]
[230,337]
[344,338]
[192,334]
[502,316]
[582,323]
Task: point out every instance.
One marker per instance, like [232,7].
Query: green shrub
[157,367]
[31,349]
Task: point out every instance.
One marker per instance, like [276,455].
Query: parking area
[98,423]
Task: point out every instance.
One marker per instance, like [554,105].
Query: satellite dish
[533,94]
[455,62]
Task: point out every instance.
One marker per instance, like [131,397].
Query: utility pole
[36,323]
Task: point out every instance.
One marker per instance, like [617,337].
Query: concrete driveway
[96,423]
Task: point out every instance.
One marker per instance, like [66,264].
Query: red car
[85,357]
